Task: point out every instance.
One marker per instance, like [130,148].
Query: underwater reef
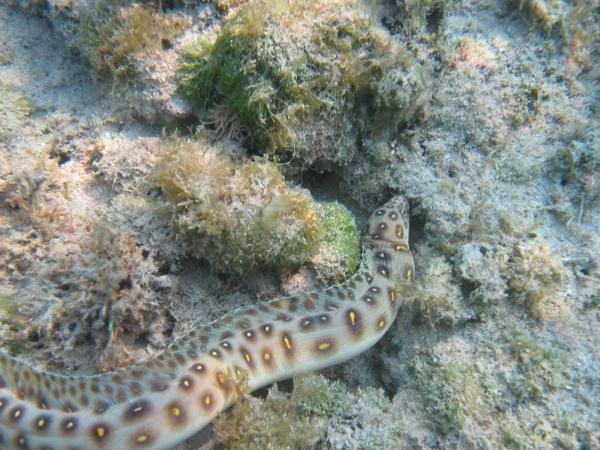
[165,162]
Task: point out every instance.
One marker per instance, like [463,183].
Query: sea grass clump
[240,216]
[308,82]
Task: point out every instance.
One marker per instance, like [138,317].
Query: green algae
[305,81]
[540,368]
[8,308]
[10,322]
[315,395]
[338,254]
[451,392]
[274,423]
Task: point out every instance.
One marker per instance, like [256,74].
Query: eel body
[162,401]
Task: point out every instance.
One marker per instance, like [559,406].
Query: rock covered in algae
[242,216]
[308,82]
[238,216]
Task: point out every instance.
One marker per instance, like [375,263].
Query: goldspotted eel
[162,401]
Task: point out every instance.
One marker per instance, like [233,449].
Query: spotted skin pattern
[160,402]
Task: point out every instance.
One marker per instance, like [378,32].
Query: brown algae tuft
[112,34]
